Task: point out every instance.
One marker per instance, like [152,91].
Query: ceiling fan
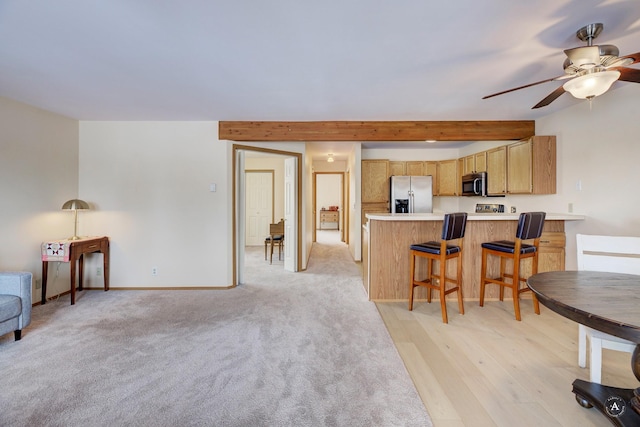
[591,69]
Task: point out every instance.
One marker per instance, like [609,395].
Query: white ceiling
[297,60]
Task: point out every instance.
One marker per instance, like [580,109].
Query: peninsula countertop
[471,216]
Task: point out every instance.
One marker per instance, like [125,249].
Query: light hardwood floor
[486,369]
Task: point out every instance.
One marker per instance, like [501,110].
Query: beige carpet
[285,349]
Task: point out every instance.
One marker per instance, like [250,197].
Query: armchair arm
[19,284]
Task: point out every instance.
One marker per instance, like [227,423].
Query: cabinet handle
[92,246]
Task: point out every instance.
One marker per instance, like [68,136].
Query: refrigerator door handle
[411,201]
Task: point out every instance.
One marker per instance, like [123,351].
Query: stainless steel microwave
[474,184]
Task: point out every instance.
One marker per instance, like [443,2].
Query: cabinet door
[415,168]
[468,165]
[397,168]
[431,168]
[448,177]
[375,181]
[497,170]
[373,208]
[519,168]
[481,161]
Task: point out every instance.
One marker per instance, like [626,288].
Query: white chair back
[618,254]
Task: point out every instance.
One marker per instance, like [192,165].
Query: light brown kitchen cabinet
[375,181]
[468,165]
[373,208]
[397,168]
[431,168]
[531,166]
[480,160]
[551,255]
[448,178]
[497,170]
[415,168]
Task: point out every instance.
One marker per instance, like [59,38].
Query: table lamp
[75,205]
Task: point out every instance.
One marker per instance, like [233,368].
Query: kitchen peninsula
[387,238]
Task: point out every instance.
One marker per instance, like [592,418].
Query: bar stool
[453,228]
[529,227]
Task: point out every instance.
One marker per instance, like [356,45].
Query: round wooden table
[608,302]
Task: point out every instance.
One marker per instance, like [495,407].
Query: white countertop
[471,217]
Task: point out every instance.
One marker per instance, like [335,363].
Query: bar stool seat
[453,228]
[530,226]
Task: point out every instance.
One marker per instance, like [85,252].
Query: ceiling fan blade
[523,87]
[634,56]
[629,74]
[585,55]
[550,98]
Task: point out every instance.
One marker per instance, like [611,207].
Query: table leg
[620,406]
[45,270]
[105,267]
[72,272]
[80,271]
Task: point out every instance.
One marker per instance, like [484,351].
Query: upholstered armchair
[15,302]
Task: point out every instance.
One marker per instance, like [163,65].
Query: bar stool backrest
[454,225]
[530,225]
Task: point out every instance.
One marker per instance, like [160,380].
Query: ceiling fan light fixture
[591,85]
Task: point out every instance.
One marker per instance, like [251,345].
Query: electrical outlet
[154,271]
[99,271]
[570,207]
[38,284]
[513,209]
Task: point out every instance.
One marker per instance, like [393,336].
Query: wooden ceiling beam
[376,130]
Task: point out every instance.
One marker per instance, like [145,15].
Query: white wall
[38,173]
[150,184]
[600,147]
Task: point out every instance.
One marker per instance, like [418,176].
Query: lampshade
[75,205]
[591,84]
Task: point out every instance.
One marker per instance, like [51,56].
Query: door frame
[342,217]
[234,204]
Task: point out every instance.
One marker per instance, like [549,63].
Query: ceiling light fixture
[430,141]
[330,158]
[591,84]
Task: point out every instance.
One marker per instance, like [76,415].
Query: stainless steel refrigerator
[411,194]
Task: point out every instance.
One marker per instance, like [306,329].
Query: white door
[259,206]
[290,215]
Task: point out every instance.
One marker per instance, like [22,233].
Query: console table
[329,217]
[71,251]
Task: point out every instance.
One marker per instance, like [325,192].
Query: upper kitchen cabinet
[415,168]
[431,168]
[448,181]
[474,163]
[397,168]
[531,166]
[468,165]
[375,181]
[496,170]
[480,160]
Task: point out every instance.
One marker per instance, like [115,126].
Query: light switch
[212,188]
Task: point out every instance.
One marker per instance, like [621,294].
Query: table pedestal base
[614,403]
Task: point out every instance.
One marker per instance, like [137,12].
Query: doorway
[292,207]
[329,203]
